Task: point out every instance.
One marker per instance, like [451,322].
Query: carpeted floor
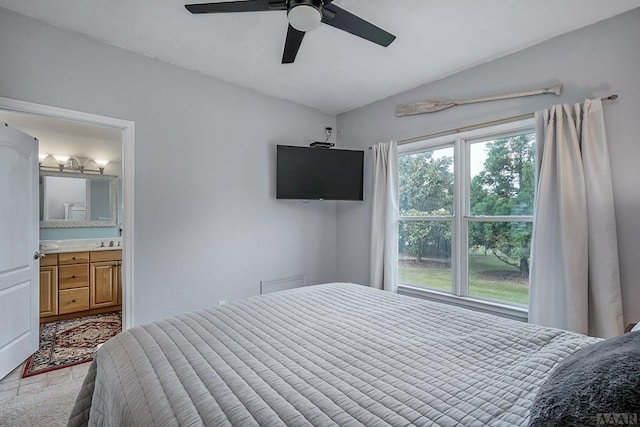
[69,342]
[47,408]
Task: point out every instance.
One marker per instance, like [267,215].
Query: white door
[19,235]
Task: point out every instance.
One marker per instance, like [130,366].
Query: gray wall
[207,225]
[591,62]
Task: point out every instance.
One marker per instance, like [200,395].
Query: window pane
[426,183]
[502,176]
[499,260]
[425,254]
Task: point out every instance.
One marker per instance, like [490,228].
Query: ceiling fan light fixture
[304,15]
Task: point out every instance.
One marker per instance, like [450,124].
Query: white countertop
[79,245]
[82,249]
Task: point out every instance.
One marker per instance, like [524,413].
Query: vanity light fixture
[101,163]
[61,160]
[72,164]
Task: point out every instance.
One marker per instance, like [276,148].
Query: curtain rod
[480,125]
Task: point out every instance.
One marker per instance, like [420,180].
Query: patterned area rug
[69,342]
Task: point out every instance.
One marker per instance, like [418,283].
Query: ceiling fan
[303,16]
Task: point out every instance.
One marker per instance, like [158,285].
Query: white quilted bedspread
[327,355]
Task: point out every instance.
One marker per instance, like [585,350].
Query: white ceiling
[57,136]
[334,71]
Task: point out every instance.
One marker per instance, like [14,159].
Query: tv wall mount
[326,143]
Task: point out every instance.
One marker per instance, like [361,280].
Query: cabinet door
[119,277]
[103,284]
[48,291]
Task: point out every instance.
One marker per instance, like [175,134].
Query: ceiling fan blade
[291,45]
[346,21]
[237,6]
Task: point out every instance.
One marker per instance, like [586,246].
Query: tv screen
[319,173]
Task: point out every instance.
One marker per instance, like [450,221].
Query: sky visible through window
[477,157]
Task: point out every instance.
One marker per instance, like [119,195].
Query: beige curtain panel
[384,218]
[574,276]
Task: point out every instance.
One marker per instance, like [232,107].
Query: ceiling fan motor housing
[304,15]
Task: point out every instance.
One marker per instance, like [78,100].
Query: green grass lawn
[489,278]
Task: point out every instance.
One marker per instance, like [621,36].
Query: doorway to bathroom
[86,224]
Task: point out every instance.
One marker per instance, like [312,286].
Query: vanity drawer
[71,300]
[73,258]
[49,260]
[73,276]
[101,256]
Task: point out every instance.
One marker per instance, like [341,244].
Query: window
[466,213]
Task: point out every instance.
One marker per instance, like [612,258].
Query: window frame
[461,143]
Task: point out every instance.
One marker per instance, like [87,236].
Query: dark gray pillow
[595,385]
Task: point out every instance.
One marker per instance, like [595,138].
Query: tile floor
[12,385]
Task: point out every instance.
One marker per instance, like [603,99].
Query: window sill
[503,310]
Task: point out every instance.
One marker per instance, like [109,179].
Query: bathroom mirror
[75,200]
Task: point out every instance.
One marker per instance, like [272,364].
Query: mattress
[327,355]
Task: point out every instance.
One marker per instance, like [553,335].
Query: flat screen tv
[319,173]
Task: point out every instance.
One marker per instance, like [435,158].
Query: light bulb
[304,17]
[61,159]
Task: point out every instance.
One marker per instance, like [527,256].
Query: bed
[325,355]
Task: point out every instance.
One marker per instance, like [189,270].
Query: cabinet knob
[73,300]
[73,277]
[73,258]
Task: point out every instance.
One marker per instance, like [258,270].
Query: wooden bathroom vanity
[74,284]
